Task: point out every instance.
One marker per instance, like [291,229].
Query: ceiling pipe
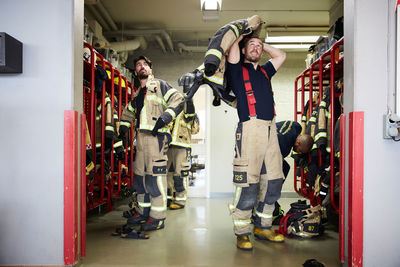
[98,17]
[168,39]
[197,49]
[107,16]
[160,43]
[147,32]
[126,45]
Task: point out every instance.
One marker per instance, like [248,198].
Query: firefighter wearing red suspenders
[256,141]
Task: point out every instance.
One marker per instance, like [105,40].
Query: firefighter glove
[159,124]
[189,107]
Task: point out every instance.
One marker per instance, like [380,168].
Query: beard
[143,76]
[252,58]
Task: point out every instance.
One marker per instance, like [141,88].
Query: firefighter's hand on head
[159,124]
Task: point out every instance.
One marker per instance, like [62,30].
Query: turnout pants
[150,174]
[257,175]
[178,171]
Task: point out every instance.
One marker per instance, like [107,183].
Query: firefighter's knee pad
[138,184]
[178,184]
[152,185]
[273,191]
[248,197]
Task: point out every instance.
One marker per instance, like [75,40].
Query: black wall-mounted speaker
[10,54]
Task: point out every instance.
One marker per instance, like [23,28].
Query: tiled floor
[199,235]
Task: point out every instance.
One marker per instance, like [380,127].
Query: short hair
[247,39]
[306,141]
[148,61]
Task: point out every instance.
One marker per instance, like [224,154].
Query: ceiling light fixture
[210,9]
[210,5]
[291,39]
[299,47]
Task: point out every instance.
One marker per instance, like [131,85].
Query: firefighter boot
[268,234]
[244,243]
[137,219]
[152,224]
[176,206]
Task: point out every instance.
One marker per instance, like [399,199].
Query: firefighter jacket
[109,121]
[111,117]
[184,126]
[321,129]
[215,57]
[161,100]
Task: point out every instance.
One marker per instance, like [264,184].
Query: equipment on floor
[301,221]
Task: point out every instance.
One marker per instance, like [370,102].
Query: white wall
[369,76]
[31,140]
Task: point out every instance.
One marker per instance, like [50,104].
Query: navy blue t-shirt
[261,87]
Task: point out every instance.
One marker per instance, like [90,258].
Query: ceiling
[183,21]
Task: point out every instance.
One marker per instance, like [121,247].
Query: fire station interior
[66,191]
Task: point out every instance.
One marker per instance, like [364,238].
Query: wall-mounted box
[10,54]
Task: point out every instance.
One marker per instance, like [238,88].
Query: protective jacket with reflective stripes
[161,101]
[184,126]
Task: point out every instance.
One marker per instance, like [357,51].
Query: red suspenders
[251,100]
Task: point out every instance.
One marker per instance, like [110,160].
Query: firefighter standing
[186,124]
[256,141]
[156,105]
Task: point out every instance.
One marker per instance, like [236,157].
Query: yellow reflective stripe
[107,100]
[118,144]
[143,117]
[304,118]
[185,124]
[115,116]
[215,79]
[158,208]
[169,197]
[322,104]
[169,93]
[237,196]
[170,111]
[337,154]
[98,118]
[157,99]
[241,222]
[235,30]
[98,144]
[144,204]
[130,108]
[328,149]
[319,135]
[214,52]
[175,130]
[180,144]
[313,119]
[125,123]
[263,215]
[187,115]
[288,128]
[150,127]
[314,146]
[180,198]
[109,128]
